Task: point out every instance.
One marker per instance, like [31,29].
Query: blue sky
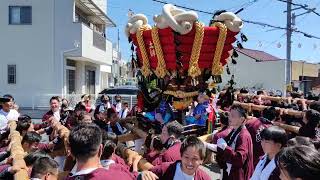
[260,38]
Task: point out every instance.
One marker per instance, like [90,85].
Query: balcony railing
[99,41]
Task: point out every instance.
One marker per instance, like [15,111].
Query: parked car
[127,93]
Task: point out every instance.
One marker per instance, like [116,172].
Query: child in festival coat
[170,135]
[154,149]
[273,139]
[200,114]
[108,160]
[235,150]
[255,126]
[109,142]
[192,153]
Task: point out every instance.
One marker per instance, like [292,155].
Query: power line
[277,40]
[244,5]
[247,21]
[303,18]
[303,6]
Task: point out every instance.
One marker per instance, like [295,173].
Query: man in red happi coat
[236,150]
[86,146]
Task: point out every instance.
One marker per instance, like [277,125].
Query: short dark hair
[55,98]
[315,106]
[109,136]
[260,92]
[244,91]
[296,95]
[256,113]
[300,162]
[42,166]
[275,134]
[109,148]
[84,141]
[80,107]
[269,113]
[81,116]
[110,112]
[192,141]
[104,96]
[24,117]
[242,112]
[156,143]
[31,137]
[300,140]
[33,156]
[313,117]
[174,129]
[224,118]
[8,96]
[23,124]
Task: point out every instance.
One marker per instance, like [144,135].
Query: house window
[12,74]
[71,63]
[20,15]
[71,81]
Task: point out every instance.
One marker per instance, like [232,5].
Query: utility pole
[289,34]
[118,40]
[291,22]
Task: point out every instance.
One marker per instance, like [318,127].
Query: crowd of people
[84,141]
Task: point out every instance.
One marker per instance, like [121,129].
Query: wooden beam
[249,107]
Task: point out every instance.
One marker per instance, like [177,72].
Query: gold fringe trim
[183,104]
[217,68]
[194,69]
[161,66]
[181,94]
[145,69]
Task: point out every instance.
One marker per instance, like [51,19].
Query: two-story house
[53,47]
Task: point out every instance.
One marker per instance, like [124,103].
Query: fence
[42,101]
[130,99]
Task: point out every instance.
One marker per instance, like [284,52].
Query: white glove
[212,147]
[221,143]
[214,132]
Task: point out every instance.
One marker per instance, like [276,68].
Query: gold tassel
[217,68]
[194,69]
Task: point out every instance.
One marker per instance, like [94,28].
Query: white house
[257,69]
[53,47]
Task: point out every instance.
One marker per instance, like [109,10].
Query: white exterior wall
[66,34]
[39,51]
[249,73]
[69,32]
[80,78]
[109,53]
[98,79]
[88,50]
[30,47]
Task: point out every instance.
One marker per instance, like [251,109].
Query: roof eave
[98,12]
